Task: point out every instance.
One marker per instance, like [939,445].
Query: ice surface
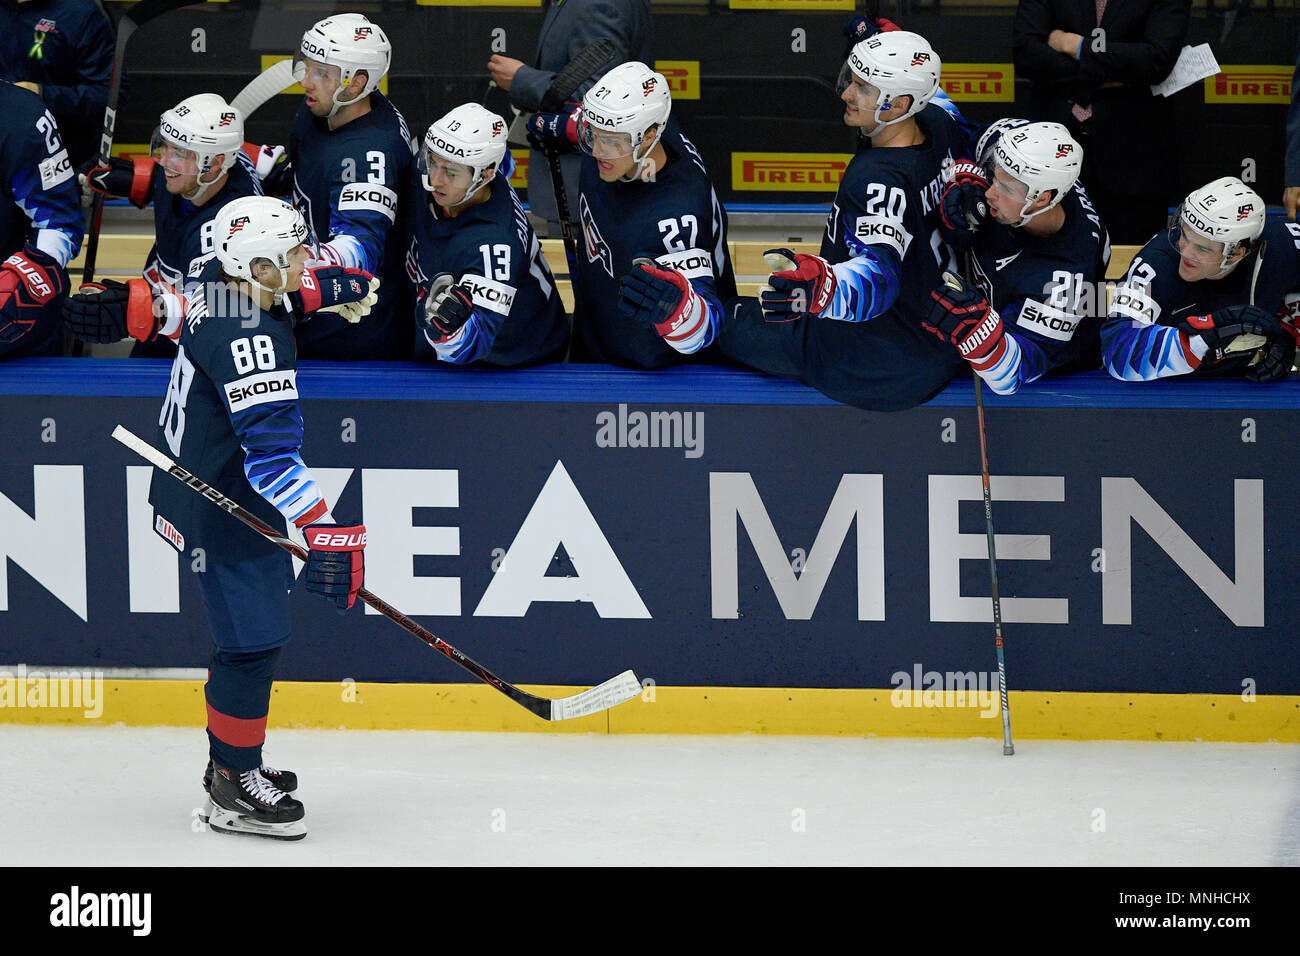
[86,796]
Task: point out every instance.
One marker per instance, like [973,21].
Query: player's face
[180,166]
[297,263]
[1006,197]
[448,182]
[320,81]
[612,151]
[1198,257]
[860,101]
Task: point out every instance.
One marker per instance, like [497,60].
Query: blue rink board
[1146,532]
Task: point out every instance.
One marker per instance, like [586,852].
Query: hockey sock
[238,695]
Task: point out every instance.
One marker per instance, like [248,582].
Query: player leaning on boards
[491,299]
[1208,296]
[1037,253]
[849,322]
[194,167]
[653,269]
[231,417]
[41,225]
[350,151]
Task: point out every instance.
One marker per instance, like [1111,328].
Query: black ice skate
[249,803]
[285,780]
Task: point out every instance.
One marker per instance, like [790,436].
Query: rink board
[725,535]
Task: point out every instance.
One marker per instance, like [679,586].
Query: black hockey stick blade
[576,72]
[617,690]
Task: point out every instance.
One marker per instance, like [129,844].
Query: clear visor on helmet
[305,68]
[601,143]
[862,90]
[171,156]
[435,170]
[1196,248]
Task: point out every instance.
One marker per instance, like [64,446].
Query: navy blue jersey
[65,46]
[1139,341]
[39,201]
[183,246]
[1049,291]
[675,219]
[348,184]
[869,348]
[231,418]
[493,253]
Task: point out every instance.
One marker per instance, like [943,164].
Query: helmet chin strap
[202,187]
[635,175]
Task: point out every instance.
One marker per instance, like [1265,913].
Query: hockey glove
[1274,361]
[446,308]
[273,168]
[1220,328]
[109,311]
[963,208]
[351,293]
[555,131]
[120,179]
[336,562]
[961,314]
[799,285]
[661,299]
[29,281]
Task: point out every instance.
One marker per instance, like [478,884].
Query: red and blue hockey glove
[120,178]
[963,207]
[109,311]
[555,131]
[351,293]
[446,308]
[961,314]
[1224,331]
[29,281]
[799,285]
[659,298]
[336,562]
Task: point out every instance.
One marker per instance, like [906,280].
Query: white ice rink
[127,795]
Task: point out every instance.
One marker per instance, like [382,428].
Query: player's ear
[489,175]
[359,81]
[266,274]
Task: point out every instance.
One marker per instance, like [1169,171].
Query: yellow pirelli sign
[800,5]
[788,172]
[268,59]
[979,82]
[1250,83]
[519,178]
[683,77]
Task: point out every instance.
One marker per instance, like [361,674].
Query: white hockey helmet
[206,126]
[253,229]
[1043,156]
[1226,211]
[896,63]
[619,110]
[469,136]
[984,148]
[352,43]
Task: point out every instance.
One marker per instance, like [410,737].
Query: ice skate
[249,803]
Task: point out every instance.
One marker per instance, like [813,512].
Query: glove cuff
[141,179]
[141,323]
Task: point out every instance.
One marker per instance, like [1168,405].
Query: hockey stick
[130,20]
[616,690]
[1008,748]
[275,79]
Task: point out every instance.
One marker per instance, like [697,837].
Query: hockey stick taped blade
[615,691]
[275,79]
[142,448]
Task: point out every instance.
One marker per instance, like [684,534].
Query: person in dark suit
[1291,178]
[1092,64]
[570,26]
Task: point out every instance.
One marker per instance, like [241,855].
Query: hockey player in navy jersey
[1209,297]
[350,150]
[654,268]
[194,167]
[231,417]
[482,290]
[1037,258]
[848,322]
[40,225]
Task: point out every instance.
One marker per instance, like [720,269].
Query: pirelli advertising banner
[705,528]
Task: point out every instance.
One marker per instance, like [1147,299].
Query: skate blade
[226,821]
